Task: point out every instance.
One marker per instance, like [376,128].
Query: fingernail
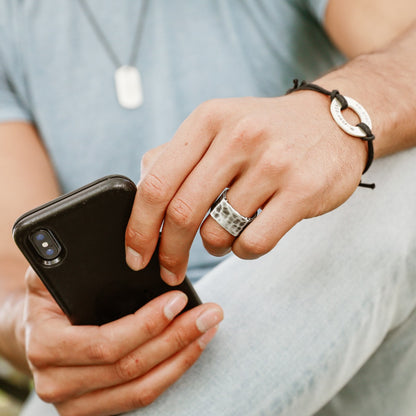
[134,259]
[175,305]
[208,319]
[169,277]
[207,337]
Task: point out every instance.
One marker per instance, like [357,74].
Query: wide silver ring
[229,218]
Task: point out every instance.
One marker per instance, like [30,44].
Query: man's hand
[285,155]
[117,367]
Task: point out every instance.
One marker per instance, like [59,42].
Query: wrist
[383,96]
[349,122]
[12,330]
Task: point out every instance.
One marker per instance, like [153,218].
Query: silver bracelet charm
[340,102]
[336,113]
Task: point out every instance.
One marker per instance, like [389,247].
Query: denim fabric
[330,310]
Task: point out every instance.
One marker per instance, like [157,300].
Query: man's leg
[302,320]
[386,385]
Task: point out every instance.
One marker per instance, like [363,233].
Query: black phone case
[91,282]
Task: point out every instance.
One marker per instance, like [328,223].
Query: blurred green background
[14,388]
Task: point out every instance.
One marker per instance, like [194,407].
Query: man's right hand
[117,367]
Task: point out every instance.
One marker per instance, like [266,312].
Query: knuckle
[168,261]
[135,238]
[101,352]
[180,213]
[284,155]
[145,398]
[189,359]
[151,156]
[246,131]
[189,362]
[153,189]
[151,326]
[208,109]
[148,157]
[34,356]
[36,352]
[179,339]
[254,246]
[130,367]
[48,391]
[270,167]
[215,238]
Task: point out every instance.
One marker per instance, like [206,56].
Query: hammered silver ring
[229,218]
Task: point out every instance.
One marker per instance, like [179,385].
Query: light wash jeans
[325,324]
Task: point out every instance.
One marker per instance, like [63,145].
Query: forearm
[383,83]
[26,181]
[12,292]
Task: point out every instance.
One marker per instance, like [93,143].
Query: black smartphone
[75,244]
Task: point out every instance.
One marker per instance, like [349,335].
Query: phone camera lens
[46,245]
[40,237]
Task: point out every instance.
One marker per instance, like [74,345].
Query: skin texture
[116,367]
[27,180]
[362,26]
[258,147]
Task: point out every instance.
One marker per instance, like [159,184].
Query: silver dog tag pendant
[129,87]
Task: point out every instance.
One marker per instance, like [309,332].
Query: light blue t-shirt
[55,72]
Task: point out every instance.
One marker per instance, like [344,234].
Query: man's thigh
[302,320]
[386,384]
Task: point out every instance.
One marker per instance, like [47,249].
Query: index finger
[158,187]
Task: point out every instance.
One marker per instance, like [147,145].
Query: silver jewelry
[340,102]
[229,218]
[355,131]
[127,77]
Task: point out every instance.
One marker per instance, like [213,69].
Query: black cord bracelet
[362,130]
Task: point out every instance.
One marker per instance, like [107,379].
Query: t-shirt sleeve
[317,8]
[12,100]
[11,107]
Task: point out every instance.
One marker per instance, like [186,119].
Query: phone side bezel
[57,200]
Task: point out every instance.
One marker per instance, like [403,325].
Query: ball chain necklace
[127,77]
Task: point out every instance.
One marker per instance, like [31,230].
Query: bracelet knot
[341,99]
[361,130]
